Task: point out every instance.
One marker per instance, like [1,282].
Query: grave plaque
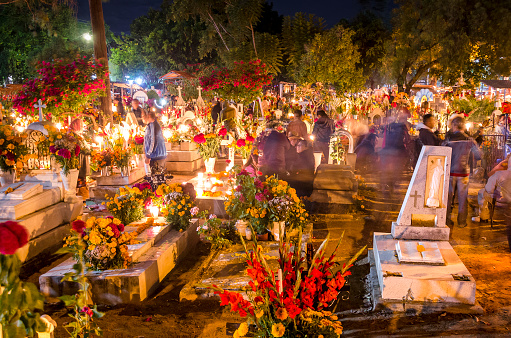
[20,191]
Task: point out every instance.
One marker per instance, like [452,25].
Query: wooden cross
[415,196]
[39,105]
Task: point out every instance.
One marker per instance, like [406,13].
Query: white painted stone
[21,191]
[425,283]
[16,209]
[118,180]
[184,167]
[48,178]
[416,199]
[127,285]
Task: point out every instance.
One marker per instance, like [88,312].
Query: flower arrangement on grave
[101,159]
[83,310]
[243,82]
[243,146]
[209,143]
[178,206]
[292,301]
[121,155]
[263,202]
[128,205]
[64,87]
[106,243]
[13,151]
[64,148]
[20,301]
[137,144]
[220,234]
[338,151]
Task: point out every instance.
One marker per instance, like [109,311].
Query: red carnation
[64,153]
[115,230]
[77,150]
[78,226]
[139,139]
[222,132]
[240,143]
[12,237]
[249,139]
[199,138]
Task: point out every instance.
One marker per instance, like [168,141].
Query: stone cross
[415,196]
[39,105]
[199,88]
[438,104]
[180,102]
[200,101]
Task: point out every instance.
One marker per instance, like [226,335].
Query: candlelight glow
[154,211]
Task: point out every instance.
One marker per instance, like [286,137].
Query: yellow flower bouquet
[178,206]
[128,205]
[13,151]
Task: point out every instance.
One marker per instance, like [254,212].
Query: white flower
[212,216]
[194,211]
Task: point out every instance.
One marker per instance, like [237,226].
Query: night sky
[119,14]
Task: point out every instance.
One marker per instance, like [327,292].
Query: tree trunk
[100,52]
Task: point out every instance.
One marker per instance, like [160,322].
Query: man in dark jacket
[461,145]
[302,168]
[426,133]
[366,155]
[275,149]
[324,127]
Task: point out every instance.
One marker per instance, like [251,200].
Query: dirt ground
[482,249]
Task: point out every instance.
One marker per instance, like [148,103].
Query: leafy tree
[447,38]
[331,58]
[297,31]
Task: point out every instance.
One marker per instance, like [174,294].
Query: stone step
[119,181]
[184,167]
[182,156]
[130,285]
[17,209]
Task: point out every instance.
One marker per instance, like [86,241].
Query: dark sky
[119,14]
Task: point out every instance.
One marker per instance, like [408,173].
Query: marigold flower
[278,330]
[281,313]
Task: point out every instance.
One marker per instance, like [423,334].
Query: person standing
[426,134]
[120,108]
[138,111]
[215,111]
[275,149]
[297,127]
[324,127]
[461,145]
[154,144]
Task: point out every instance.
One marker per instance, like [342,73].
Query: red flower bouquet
[12,237]
[291,302]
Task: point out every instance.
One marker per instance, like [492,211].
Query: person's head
[293,139]
[117,100]
[301,146]
[148,116]
[321,113]
[502,119]
[371,138]
[429,120]
[297,114]
[135,103]
[458,124]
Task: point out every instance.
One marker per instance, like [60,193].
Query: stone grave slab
[185,167]
[16,208]
[188,146]
[48,178]
[20,191]
[182,156]
[227,269]
[408,252]
[426,195]
[130,285]
[48,227]
[118,180]
[449,283]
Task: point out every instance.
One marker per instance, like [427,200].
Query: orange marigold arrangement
[13,151]
[292,302]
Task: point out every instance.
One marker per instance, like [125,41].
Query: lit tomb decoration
[36,133]
[180,103]
[200,102]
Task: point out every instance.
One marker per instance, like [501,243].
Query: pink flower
[77,150]
[199,138]
[222,132]
[240,143]
[64,153]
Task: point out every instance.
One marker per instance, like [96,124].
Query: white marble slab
[16,209]
[21,191]
[118,180]
[407,252]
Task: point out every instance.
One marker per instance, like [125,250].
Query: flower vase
[248,233]
[105,171]
[140,160]
[125,171]
[242,226]
[278,230]
[69,181]
[210,165]
[244,161]
[7,177]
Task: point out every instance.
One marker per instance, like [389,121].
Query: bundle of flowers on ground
[295,303]
[176,205]
[20,301]
[219,233]
[64,148]
[105,241]
[13,151]
[264,202]
[128,205]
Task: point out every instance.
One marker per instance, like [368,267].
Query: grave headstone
[424,209]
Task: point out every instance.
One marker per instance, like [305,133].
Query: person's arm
[490,186]
[151,139]
[498,167]
[476,150]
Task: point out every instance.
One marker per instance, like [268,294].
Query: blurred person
[297,127]
[154,144]
[302,168]
[215,111]
[138,111]
[275,148]
[323,129]
[366,153]
[427,136]
[120,108]
[462,145]
[77,127]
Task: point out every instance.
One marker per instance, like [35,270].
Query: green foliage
[18,301]
[219,233]
[331,58]
[478,110]
[84,313]
[153,95]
